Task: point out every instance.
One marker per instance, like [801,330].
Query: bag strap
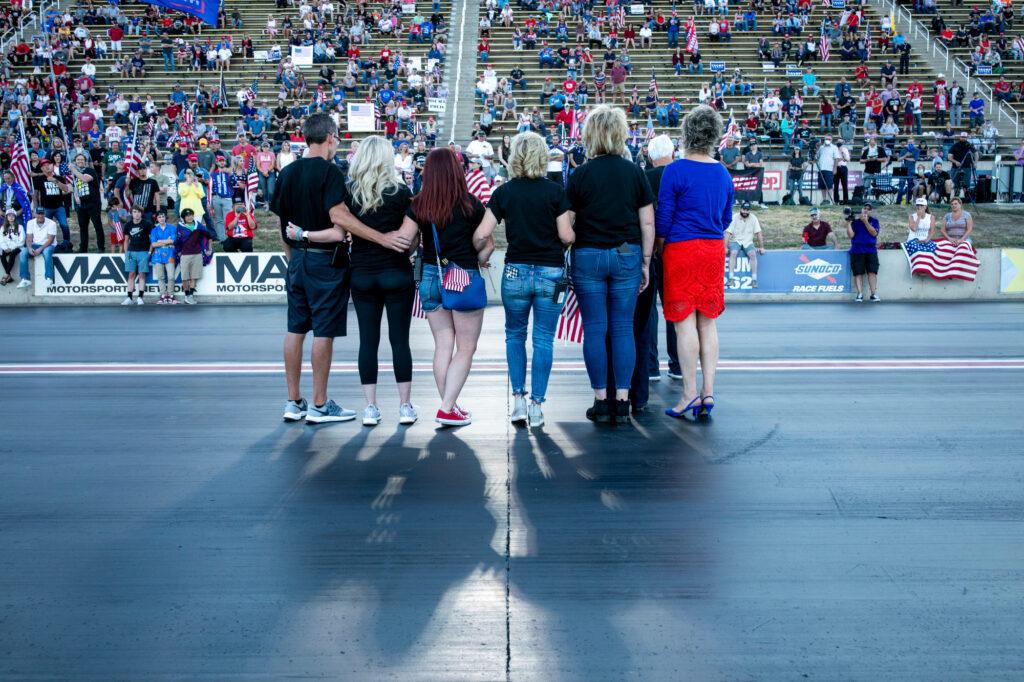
[437,245]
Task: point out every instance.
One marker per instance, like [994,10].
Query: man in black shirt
[310,197]
[961,159]
[87,194]
[145,194]
[50,190]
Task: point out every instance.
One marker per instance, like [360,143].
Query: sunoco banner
[229,274]
[795,272]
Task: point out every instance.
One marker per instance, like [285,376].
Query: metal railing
[954,65]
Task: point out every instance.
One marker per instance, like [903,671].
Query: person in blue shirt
[977,110]
[863,232]
[909,155]
[221,194]
[177,96]
[694,210]
[545,57]
[161,257]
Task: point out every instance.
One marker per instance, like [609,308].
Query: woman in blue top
[694,210]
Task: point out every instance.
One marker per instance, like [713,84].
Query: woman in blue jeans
[612,204]
[538,228]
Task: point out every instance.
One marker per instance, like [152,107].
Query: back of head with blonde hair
[604,131]
[372,173]
[528,156]
[702,129]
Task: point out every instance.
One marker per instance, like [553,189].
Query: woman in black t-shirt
[614,211]
[445,202]
[537,226]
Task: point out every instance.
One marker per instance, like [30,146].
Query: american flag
[652,88]
[867,40]
[222,92]
[252,183]
[570,326]
[19,161]
[479,186]
[132,160]
[318,98]
[825,43]
[576,127]
[455,278]
[731,130]
[115,222]
[417,307]
[691,36]
[252,90]
[940,259]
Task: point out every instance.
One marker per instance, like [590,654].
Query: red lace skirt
[694,273]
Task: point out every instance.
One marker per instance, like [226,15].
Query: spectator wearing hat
[12,239]
[191,241]
[240,227]
[740,237]
[162,258]
[481,148]
[136,249]
[863,232]
[40,240]
[921,223]
[818,233]
[50,190]
[192,193]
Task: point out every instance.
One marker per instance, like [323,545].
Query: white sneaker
[407,414]
[127,301]
[191,300]
[536,415]
[371,415]
[24,284]
[859,299]
[518,410]
[139,301]
[49,281]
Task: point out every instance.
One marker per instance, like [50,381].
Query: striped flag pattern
[115,223]
[417,307]
[731,130]
[19,161]
[825,49]
[652,88]
[478,186]
[132,160]
[940,259]
[691,36]
[252,183]
[570,325]
[455,278]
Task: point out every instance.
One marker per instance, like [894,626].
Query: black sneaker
[600,413]
[622,411]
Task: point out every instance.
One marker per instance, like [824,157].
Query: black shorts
[864,262]
[317,294]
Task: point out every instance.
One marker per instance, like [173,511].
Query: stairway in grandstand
[244,71]
[741,53]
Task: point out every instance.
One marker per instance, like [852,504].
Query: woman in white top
[284,157]
[12,238]
[921,222]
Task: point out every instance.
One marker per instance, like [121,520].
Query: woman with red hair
[444,204]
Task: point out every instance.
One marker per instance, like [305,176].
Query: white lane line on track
[499,366]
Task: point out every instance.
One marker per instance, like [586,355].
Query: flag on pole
[691,36]
[652,88]
[252,183]
[222,91]
[570,326]
[825,49]
[115,222]
[131,166]
[867,40]
[252,90]
[940,259]
[731,130]
[892,21]
[20,166]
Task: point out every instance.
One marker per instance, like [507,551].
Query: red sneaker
[453,418]
[465,413]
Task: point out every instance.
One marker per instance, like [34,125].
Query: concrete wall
[895,283]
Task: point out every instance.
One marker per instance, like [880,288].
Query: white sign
[767,66]
[415,63]
[437,105]
[636,9]
[261,55]
[408,8]
[361,118]
[228,274]
[302,55]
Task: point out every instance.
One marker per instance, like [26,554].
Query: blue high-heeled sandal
[705,409]
[690,407]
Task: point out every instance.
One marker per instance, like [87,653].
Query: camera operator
[961,158]
[940,185]
[863,232]
[873,156]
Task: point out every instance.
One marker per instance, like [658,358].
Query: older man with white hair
[661,151]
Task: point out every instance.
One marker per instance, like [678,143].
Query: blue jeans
[61,216]
[524,287]
[607,282]
[47,262]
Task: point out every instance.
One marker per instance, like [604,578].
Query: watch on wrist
[304,236]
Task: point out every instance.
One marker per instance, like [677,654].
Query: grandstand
[743,51]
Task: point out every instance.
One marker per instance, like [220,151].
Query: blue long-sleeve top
[694,202]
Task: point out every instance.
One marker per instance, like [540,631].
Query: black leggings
[9,260]
[86,215]
[372,293]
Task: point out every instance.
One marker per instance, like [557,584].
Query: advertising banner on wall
[794,272]
[747,184]
[1011,272]
[228,274]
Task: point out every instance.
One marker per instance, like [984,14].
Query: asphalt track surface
[854,512]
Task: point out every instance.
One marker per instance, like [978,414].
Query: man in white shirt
[40,238]
[772,104]
[740,237]
[89,69]
[482,148]
[827,154]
